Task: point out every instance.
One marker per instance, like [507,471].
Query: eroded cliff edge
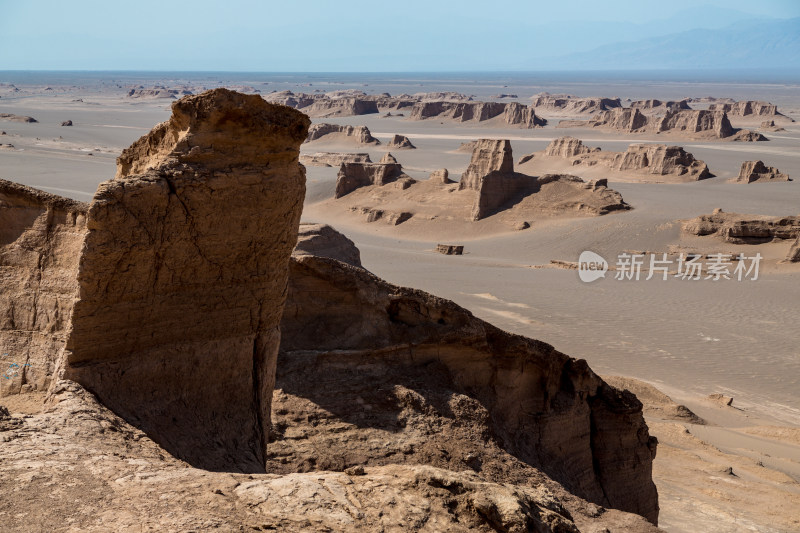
[370,354]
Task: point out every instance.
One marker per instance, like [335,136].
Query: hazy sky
[341,35]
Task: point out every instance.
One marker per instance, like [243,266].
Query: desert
[257,300]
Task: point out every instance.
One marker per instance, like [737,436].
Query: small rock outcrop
[450,249]
[331,132]
[351,176]
[400,142]
[769,125]
[661,160]
[322,240]
[441,176]
[163,296]
[747,136]
[744,229]
[757,171]
[17,118]
[333,159]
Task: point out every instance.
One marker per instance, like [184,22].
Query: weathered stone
[358,134]
[661,160]
[756,171]
[450,249]
[168,288]
[401,142]
[333,159]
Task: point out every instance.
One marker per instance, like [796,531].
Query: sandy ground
[689,338]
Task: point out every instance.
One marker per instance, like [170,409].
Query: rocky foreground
[148,327]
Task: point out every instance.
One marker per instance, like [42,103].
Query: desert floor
[689,339]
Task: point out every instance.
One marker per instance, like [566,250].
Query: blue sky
[343,35]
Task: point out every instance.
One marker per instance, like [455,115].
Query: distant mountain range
[757,43]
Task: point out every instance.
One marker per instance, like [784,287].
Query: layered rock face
[440,387]
[41,236]
[754,171]
[333,159]
[566,103]
[567,147]
[488,155]
[695,121]
[358,134]
[351,176]
[744,229]
[512,113]
[746,108]
[660,106]
[178,276]
[620,119]
[661,160]
[341,107]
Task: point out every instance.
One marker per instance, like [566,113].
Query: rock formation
[744,229]
[746,108]
[157,92]
[164,295]
[511,113]
[566,147]
[17,118]
[794,252]
[715,123]
[400,142]
[491,174]
[359,134]
[676,121]
[115,492]
[351,176]
[618,119]
[661,160]
[658,106]
[441,176]
[341,107]
[756,171]
[769,125]
[443,388]
[636,161]
[568,104]
[322,240]
[333,159]
[41,236]
[747,136]
[450,249]
[488,155]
